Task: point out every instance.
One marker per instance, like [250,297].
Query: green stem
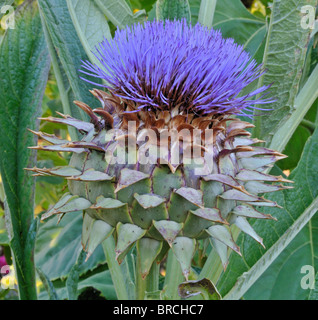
[141,284]
[24,265]
[114,268]
[153,278]
[152,283]
[26,291]
[309,125]
[212,268]
[206,13]
[147,288]
[174,277]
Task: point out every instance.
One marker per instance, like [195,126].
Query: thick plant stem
[114,268]
[311,126]
[174,277]
[147,288]
[211,269]
[26,292]
[152,288]
[153,278]
[141,284]
[23,262]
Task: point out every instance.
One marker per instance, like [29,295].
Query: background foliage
[50,40]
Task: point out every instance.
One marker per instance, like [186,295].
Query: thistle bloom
[163,76]
[160,65]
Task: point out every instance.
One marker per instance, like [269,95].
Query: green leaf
[304,101]
[100,281]
[235,21]
[206,13]
[67,54]
[121,279]
[90,23]
[142,4]
[119,12]
[284,58]
[24,67]
[4,239]
[203,287]
[148,249]
[73,277]
[173,278]
[312,114]
[314,292]
[294,148]
[58,246]
[300,204]
[275,283]
[48,285]
[178,9]
[6,2]
[195,9]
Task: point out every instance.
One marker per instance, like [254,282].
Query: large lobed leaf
[236,21]
[282,280]
[67,54]
[100,281]
[58,246]
[90,23]
[284,58]
[120,13]
[60,261]
[24,66]
[73,28]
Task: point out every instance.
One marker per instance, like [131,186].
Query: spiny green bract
[161,205]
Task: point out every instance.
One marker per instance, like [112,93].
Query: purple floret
[166,64]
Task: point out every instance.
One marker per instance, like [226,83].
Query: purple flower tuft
[168,64]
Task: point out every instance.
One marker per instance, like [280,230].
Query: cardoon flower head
[166,76]
[161,65]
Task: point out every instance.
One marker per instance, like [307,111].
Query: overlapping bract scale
[161,207]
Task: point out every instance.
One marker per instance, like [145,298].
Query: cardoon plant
[166,162]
